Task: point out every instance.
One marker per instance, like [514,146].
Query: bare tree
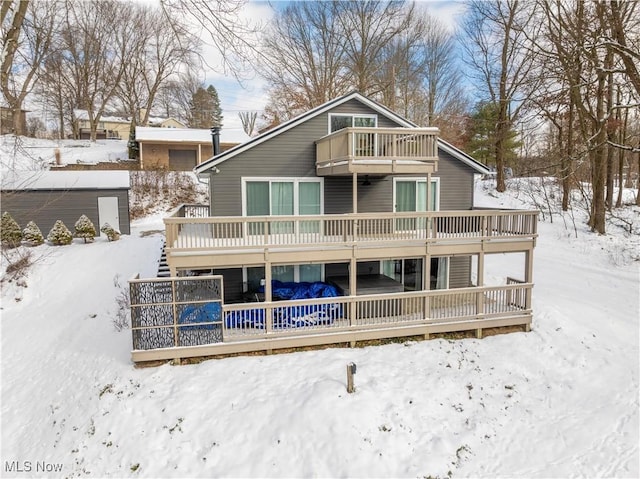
[174,96]
[583,40]
[303,56]
[27,34]
[316,51]
[248,119]
[499,53]
[421,77]
[158,49]
[369,26]
[94,52]
[58,92]
[221,21]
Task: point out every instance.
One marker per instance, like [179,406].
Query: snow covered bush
[112,234]
[11,232]
[85,229]
[32,234]
[60,234]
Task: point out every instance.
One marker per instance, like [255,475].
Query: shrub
[85,229]
[112,234]
[32,234]
[60,234]
[11,234]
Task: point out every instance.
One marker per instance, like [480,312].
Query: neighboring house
[46,196]
[181,148]
[352,195]
[109,127]
[166,123]
[6,121]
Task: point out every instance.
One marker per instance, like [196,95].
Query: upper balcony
[196,240]
[377,151]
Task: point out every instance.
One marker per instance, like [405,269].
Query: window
[364,143]
[410,194]
[282,197]
[409,272]
[405,271]
[340,121]
[285,273]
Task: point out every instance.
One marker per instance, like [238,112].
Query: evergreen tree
[216,114]
[483,128]
[60,234]
[11,232]
[132,145]
[32,234]
[204,108]
[112,234]
[85,229]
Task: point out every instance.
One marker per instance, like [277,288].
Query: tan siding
[156,155]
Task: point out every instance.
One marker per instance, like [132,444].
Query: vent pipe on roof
[215,138]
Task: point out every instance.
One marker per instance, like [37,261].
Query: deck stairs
[163,266]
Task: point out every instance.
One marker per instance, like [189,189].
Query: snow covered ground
[560,401]
[24,153]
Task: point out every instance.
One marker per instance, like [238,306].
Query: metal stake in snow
[351,370]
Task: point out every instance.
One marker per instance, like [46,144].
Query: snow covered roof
[84,115]
[64,180]
[227,135]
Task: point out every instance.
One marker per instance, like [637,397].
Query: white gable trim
[462,156]
[221,158]
[211,162]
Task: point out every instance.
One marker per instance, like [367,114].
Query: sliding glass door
[411,195]
[283,197]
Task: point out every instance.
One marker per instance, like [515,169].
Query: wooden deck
[382,151]
[209,242]
[165,324]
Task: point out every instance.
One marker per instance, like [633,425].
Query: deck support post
[426,285]
[479,333]
[268,316]
[528,276]
[353,278]
[354,188]
[429,206]
[480,282]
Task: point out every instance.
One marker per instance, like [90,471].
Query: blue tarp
[291,316]
[292,290]
[206,313]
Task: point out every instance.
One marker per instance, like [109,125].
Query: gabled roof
[383,110]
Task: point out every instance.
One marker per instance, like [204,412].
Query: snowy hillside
[24,153]
[560,401]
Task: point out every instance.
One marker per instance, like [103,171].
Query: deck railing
[348,144]
[237,232]
[191,211]
[186,312]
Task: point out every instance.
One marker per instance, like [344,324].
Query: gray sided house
[282,162]
[346,223]
[47,196]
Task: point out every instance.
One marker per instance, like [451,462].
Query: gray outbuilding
[46,196]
